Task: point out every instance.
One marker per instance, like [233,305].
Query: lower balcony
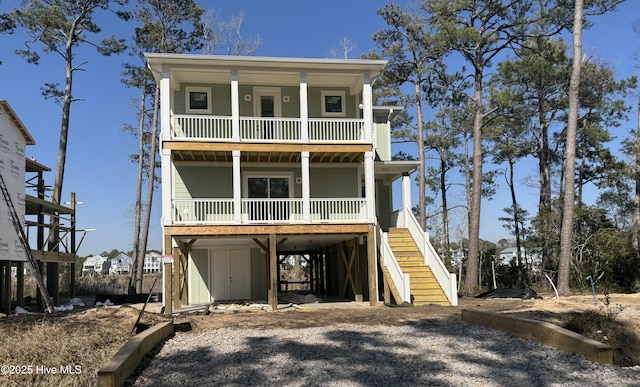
[269,211]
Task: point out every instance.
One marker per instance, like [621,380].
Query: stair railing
[400,279]
[446,280]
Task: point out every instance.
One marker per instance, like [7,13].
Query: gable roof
[13,117]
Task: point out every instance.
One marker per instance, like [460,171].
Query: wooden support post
[20,284]
[166,292]
[184,281]
[357,272]
[372,266]
[53,281]
[177,299]
[273,270]
[5,287]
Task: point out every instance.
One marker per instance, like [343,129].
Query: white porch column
[369,187]
[406,196]
[306,192]
[367,108]
[167,191]
[237,193]
[304,109]
[235,107]
[165,102]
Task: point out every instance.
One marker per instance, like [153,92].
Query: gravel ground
[419,353]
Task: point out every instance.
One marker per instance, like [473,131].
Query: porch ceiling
[286,243]
[267,157]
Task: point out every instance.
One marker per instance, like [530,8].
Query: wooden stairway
[424,287]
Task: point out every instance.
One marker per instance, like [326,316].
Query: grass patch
[86,339]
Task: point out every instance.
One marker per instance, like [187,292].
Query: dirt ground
[545,309]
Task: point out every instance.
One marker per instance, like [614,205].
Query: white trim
[197,89]
[330,93]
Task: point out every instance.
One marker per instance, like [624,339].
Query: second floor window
[198,100]
[333,103]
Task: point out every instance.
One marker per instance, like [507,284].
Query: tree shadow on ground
[440,351]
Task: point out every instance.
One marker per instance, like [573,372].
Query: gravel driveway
[422,353]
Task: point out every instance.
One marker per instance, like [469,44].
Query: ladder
[25,245]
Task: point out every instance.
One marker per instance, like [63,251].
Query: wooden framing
[253,230]
[258,147]
[372,266]
[273,272]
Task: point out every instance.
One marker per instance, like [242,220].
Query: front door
[268,106]
[230,274]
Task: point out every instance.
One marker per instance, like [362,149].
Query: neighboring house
[533,259]
[152,263]
[120,264]
[265,157]
[96,264]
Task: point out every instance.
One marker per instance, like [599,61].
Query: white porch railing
[258,129]
[446,280]
[270,129]
[401,280]
[270,211]
[336,130]
[197,127]
[202,211]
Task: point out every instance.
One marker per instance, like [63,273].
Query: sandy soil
[546,309]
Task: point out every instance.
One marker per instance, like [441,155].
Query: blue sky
[98,169]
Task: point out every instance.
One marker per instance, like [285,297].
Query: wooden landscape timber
[125,361]
[544,333]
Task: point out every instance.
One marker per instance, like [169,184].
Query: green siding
[259,275]
[220,98]
[334,182]
[199,276]
[199,181]
[383,140]
[384,199]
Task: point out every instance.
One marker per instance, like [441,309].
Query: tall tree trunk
[150,188]
[570,166]
[445,213]
[635,224]
[516,225]
[133,275]
[422,211]
[471,279]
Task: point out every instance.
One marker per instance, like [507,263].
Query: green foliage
[59,25]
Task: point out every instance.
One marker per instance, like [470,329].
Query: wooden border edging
[125,361]
[544,333]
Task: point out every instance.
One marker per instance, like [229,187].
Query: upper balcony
[212,98]
[190,127]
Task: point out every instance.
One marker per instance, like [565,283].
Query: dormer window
[333,103]
[198,100]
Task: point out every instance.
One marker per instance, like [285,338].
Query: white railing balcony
[204,128]
[336,130]
[269,211]
[191,127]
[202,211]
[270,129]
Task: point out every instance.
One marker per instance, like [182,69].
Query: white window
[333,103]
[197,100]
